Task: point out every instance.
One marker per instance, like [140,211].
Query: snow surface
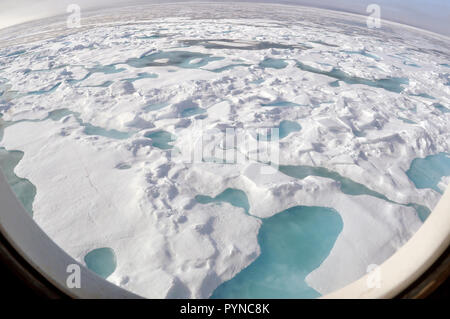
[99,190]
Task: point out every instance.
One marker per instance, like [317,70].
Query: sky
[433,15]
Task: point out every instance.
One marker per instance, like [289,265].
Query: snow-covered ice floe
[94,119]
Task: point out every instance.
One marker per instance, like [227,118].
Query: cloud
[19,11]
[433,15]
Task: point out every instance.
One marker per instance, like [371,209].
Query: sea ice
[92,120]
